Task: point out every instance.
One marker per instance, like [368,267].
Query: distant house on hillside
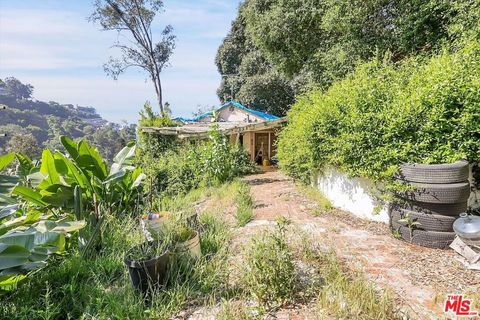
[256,131]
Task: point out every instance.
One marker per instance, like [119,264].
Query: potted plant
[153,224]
[147,265]
[188,240]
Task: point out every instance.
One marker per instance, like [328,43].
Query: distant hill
[32,125]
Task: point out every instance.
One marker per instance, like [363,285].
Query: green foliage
[269,274]
[32,125]
[244,203]
[277,50]
[45,199]
[327,39]
[416,111]
[247,76]
[191,165]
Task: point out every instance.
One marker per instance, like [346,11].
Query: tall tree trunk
[160,96]
[158,90]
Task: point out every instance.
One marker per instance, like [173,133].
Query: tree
[202,109]
[23,143]
[17,89]
[327,39]
[247,76]
[135,17]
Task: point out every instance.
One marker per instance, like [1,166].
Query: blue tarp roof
[263,115]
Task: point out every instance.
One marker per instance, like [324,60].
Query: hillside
[31,125]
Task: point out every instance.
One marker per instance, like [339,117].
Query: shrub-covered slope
[31,125]
[420,110]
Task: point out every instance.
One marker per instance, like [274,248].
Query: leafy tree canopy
[300,44]
[17,89]
[135,17]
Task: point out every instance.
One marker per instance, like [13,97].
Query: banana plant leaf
[35,178]
[124,159]
[48,168]
[71,147]
[5,160]
[57,195]
[137,178]
[7,184]
[90,159]
[72,171]
[115,177]
[12,255]
[25,166]
[30,218]
[8,210]
[62,226]
[30,195]
[30,238]
[9,282]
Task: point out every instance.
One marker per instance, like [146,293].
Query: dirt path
[419,277]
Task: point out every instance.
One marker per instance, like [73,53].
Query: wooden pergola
[199,130]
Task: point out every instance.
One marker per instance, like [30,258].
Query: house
[256,131]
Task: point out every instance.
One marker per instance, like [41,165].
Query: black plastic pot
[147,274]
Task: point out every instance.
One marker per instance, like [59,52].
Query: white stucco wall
[354,195]
[235,114]
[350,194]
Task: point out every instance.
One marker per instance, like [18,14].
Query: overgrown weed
[244,203]
[269,273]
[98,286]
[314,194]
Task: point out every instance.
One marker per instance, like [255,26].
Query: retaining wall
[355,195]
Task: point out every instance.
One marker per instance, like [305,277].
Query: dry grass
[342,294]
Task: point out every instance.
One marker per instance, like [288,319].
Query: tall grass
[98,286]
[350,296]
[244,204]
[339,292]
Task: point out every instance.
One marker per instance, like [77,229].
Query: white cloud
[61,54]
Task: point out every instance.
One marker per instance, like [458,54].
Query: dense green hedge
[383,114]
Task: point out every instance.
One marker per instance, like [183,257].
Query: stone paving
[418,277]
[366,246]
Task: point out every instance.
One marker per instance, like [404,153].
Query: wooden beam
[186,132]
[269,146]
[254,152]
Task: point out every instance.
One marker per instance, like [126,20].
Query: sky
[51,45]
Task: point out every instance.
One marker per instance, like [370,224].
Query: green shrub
[244,204]
[154,145]
[269,274]
[191,165]
[383,114]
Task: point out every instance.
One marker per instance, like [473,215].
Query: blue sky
[50,44]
